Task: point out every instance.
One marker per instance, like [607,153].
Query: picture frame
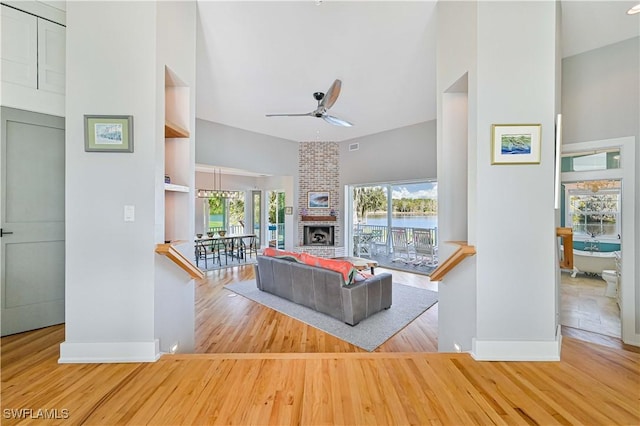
[108,133]
[288,210]
[318,199]
[515,143]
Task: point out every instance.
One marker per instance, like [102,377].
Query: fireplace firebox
[318,235]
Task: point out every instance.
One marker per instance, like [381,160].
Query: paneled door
[32,220]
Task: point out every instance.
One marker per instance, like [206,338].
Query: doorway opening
[606,167]
[275,218]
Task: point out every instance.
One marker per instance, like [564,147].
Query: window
[226,213]
[594,215]
[589,161]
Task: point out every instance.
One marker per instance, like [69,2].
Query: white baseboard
[517,350]
[108,352]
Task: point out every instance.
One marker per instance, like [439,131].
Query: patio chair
[362,244]
[402,247]
[378,242]
[424,243]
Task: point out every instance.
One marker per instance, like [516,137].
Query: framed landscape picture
[108,133]
[515,144]
[318,199]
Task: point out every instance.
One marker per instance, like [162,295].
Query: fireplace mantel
[318,218]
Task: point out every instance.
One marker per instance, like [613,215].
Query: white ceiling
[269,57]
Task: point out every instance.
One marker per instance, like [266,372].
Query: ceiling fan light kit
[325,101]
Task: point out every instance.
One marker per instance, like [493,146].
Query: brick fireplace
[319,233]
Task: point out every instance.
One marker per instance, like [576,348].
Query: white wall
[510,80]
[119,298]
[174,301]
[227,146]
[515,204]
[109,262]
[403,154]
[456,104]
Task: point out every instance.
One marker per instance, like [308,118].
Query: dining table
[232,243]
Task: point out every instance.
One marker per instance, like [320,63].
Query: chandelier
[595,185]
[217,190]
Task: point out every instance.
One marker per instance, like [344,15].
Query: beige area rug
[408,304]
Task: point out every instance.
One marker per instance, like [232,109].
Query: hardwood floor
[260,369]
[226,323]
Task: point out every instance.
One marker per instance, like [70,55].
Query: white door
[32,220]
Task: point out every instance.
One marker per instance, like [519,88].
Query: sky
[416,190]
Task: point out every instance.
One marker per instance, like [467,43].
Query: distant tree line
[374,199]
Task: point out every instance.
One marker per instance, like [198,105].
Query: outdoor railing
[233,229]
[383,230]
[276,235]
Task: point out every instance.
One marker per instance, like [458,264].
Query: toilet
[611,277]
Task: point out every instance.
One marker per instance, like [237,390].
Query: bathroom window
[594,215]
[589,161]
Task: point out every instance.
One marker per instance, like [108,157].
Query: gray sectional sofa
[323,290]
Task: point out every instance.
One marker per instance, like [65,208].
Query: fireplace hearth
[319,235]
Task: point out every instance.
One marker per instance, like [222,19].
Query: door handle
[3,232]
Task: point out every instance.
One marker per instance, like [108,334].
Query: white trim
[627,173]
[109,352]
[517,350]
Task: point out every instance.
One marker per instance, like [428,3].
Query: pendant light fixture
[217,190]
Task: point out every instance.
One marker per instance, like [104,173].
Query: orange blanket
[344,267]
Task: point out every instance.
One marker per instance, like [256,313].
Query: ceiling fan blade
[336,121]
[332,95]
[289,115]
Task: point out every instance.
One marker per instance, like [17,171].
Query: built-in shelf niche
[177,154]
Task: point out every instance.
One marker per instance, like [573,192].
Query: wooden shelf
[172,130]
[318,218]
[175,188]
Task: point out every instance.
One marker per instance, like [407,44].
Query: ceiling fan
[324,103]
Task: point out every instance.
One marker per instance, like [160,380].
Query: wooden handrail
[172,130]
[179,259]
[464,250]
[567,242]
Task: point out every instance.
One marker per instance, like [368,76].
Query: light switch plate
[129,213]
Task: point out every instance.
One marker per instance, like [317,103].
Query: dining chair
[205,250]
[219,248]
[249,247]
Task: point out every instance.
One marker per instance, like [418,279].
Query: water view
[405,221]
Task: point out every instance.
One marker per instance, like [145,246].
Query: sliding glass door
[377,208]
